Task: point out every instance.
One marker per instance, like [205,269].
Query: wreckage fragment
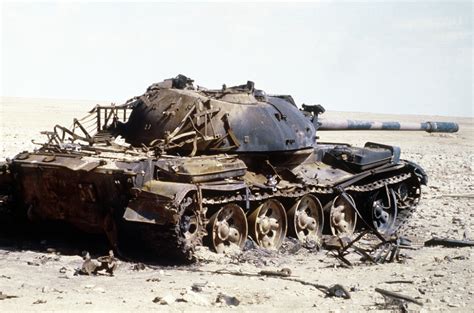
[451,243]
[397,298]
[104,263]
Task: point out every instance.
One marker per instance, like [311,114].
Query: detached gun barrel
[430,127]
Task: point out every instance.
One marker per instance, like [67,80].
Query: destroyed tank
[181,166]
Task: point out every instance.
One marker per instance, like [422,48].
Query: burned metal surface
[182,165]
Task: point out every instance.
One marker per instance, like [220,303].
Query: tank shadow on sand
[61,238]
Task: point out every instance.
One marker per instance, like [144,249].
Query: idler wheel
[228,226]
[343,217]
[268,224]
[384,210]
[305,218]
[407,194]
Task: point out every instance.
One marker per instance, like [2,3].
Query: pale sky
[384,57]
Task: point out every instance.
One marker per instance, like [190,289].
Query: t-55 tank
[183,165]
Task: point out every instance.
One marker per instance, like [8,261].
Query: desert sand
[42,279]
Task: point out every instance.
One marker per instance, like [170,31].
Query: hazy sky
[388,57]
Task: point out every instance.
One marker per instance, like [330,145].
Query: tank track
[170,241]
[167,241]
[402,217]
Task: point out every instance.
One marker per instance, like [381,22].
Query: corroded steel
[180,164]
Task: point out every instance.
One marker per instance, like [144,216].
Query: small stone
[228,300]
[166,300]
[155,280]
[139,267]
[39,301]
[197,287]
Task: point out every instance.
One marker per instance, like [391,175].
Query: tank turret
[179,118]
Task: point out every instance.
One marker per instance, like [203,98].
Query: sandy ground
[441,278]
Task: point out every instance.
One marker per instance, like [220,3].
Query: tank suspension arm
[430,127]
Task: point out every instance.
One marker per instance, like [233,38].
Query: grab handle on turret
[430,127]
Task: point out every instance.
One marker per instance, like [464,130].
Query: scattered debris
[338,291]
[40,301]
[284,272]
[450,243]
[312,245]
[197,287]
[107,263]
[399,282]
[228,300]
[166,300]
[386,250]
[331,242]
[139,267]
[4,296]
[91,267]
[155,280]
[391,297]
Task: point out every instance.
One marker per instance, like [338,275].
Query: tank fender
[157,202]
[419,172]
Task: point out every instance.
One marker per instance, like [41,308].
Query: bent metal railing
[93,127]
